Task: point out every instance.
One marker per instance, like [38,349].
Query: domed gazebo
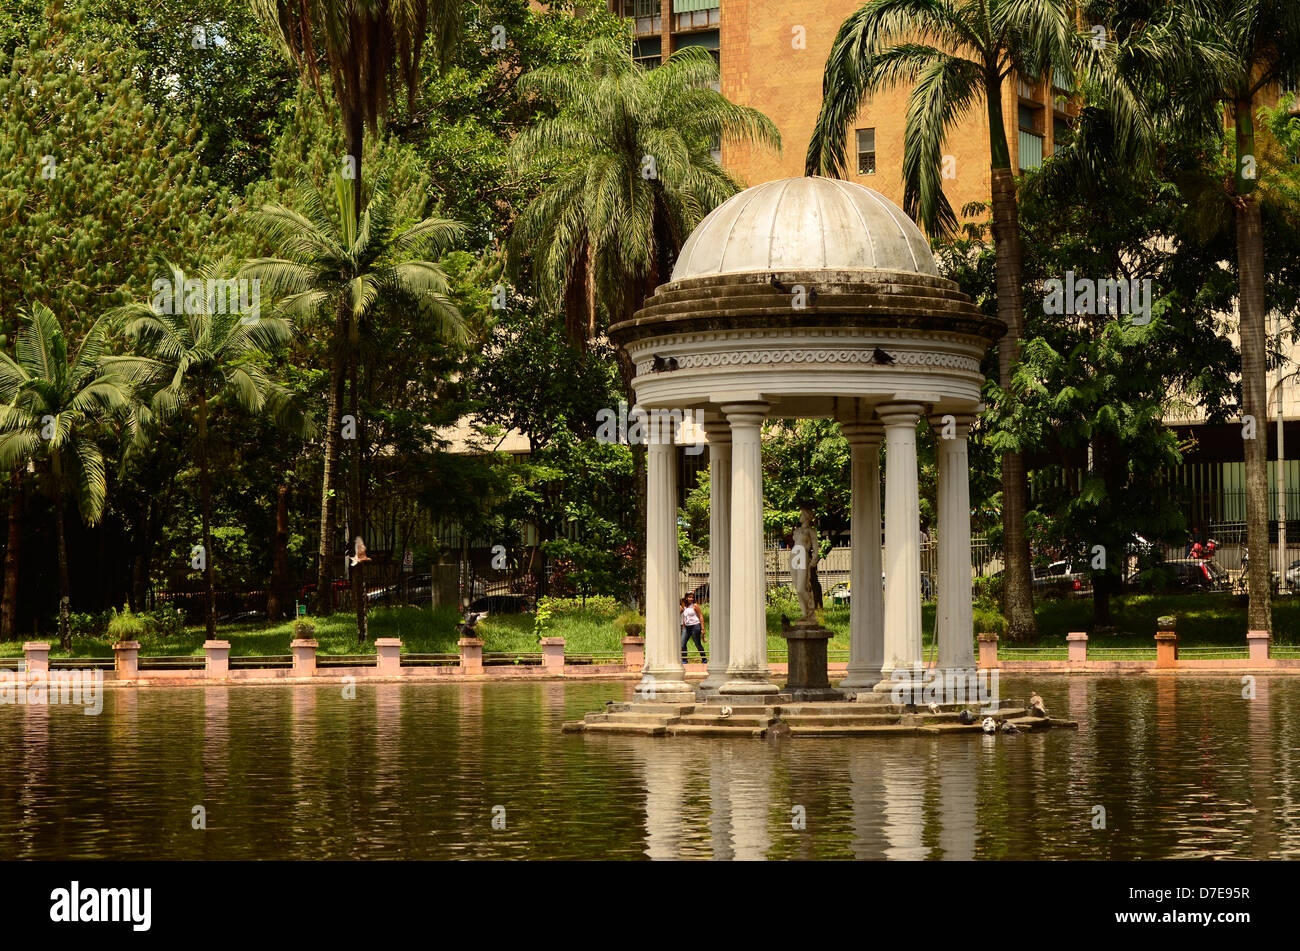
[809,297]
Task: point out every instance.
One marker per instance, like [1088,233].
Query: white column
[719,435]
[955,620]
[902,539]
[663,676]
[866,603]
[747,670]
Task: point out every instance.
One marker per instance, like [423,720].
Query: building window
[645,13]
[1061,131]
[866,151]
[1031,136]
[695,14]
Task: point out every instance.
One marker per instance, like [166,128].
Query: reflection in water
[1183,768]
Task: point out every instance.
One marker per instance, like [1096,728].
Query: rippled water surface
[1185,768]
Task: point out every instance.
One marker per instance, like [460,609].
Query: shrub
[782,596]
[164,621]
[988,590]
[600,606]
[303,630]
[90,625]
[989,619]
[629,617]
[127,626]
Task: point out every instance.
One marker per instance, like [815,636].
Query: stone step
[838,719]
[697,719]
[636,716]
[647,729]
[876,729]
[648,706]
[936,728]
[686,729]
[748,709]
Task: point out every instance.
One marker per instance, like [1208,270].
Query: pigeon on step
[989,725]
[966,717]
[724,713]
[933,708]
[1009,727]
[1036,707]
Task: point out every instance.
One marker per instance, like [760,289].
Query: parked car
[1060,580]
[1185,574]
[418,589]
[1293,575]
[502,604]
[842,593]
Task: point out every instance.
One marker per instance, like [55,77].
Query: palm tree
[205,353]
[955,54]
[1259,46]
[628,155]
[367,47]
[337,265]
[52,409]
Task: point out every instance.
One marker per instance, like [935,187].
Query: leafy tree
[205,353]
[349,269]
[53,405]
[955,54]
[368,50]
[629,175]
[93,179]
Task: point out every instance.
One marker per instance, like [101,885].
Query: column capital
[962,423]
[863,434]
[717,431]
[747,413]
[900,414]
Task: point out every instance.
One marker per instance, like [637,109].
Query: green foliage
[126,626]
[94,179]
[805,461]
[989,619]
[90,625]
[629,171]
[303,629]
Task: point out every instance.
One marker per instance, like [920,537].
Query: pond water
[1184,768]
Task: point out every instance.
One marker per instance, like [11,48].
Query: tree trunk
[1254,382]
[354,139]
[358,527]
[9,606]
[277,598]
[205,507]
[65,587]
[328,513]
[1018,596]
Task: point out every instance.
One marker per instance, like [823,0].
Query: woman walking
[692,627]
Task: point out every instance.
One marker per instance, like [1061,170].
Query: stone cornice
[863,300]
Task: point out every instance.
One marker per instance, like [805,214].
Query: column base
[748,687]
[655,688]
[863,679]
[710,685]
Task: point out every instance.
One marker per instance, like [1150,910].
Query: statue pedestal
[807,680]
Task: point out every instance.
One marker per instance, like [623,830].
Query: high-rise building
[772,57]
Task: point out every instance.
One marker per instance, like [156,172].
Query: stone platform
[782,715]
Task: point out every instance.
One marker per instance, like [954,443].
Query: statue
[802,559]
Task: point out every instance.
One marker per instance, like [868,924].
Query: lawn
[1203,621]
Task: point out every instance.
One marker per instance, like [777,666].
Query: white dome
[802,224]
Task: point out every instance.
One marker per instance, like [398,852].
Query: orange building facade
[772,57]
